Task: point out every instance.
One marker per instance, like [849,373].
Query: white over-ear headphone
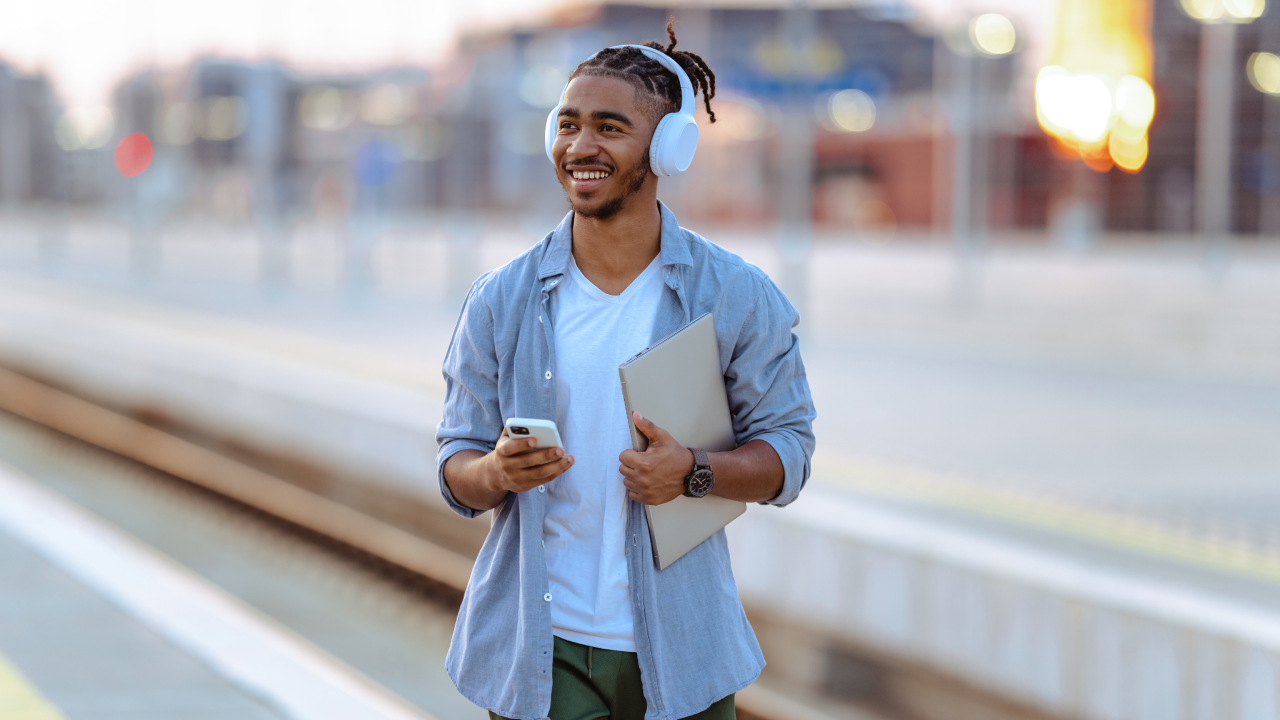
[676,137]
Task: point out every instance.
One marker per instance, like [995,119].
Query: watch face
[700,483]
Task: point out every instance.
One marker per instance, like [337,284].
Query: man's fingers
[551,471]
[527,478]
[532,458]
[641,498]
[515,447]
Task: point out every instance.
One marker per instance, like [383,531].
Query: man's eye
[566,126]
[608,127]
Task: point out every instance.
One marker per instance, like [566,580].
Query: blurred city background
[1035,246]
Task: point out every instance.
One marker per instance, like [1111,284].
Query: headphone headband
[686,86]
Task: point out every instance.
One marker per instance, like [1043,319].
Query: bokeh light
[852,110]
[180,123]
[993,34]
[387,104]
[1077,106]
[1245,9]
[1129,154]
[1094,95]
[225,118]
[326,108]
[1264,72]
[1224,10]
[740,120]
[1135,101]
[1203,9]
[777,55]
[133,154]
[85,128]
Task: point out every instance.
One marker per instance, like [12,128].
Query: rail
[285,501]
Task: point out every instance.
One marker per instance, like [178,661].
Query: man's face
[602,145]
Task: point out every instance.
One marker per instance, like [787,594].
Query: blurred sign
[376,163]
[133,154]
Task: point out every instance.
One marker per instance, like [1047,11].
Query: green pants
[593,684]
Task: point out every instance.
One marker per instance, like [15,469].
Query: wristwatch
[699,482]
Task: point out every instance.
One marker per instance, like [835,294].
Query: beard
[631,185]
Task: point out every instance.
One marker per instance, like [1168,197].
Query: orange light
[1128,155]
[1097,83]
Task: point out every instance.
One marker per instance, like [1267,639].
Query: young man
[566,615]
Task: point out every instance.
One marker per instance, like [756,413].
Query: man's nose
[582,145]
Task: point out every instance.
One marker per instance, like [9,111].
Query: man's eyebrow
[611,115]
[569,112]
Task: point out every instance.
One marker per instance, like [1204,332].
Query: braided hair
[650,77]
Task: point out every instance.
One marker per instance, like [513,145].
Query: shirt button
[548,375]
[547,597]
[542,488]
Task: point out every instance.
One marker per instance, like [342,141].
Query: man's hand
[655,476]
[481,480]
[518,467]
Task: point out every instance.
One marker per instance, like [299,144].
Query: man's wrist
[491,474]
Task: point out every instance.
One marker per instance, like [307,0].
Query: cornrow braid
[650,76]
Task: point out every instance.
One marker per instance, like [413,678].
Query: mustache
[568,167]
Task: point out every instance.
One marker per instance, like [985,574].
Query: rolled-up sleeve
[472,419]
[768,389]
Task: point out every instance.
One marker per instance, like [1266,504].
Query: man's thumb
[646,428]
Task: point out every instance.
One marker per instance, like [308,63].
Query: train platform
[1072,514]
[95,625]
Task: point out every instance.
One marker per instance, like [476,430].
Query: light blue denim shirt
[692,637]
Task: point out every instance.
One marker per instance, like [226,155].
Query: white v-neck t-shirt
[585,526]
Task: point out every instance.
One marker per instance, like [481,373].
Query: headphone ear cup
[551,131]
[656,156]
[675,141]
[682,139]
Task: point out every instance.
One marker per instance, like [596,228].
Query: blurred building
[30,164]
[1162,196]
[259,143]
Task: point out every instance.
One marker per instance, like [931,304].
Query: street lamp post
[987,37]
[796,148]
[1218,20]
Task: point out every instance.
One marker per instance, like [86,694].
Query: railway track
[327,549]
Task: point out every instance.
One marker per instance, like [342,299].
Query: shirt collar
[674,249]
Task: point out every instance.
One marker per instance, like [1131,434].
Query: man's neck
[613,252]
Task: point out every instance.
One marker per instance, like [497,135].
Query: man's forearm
[750,473]
[467,473]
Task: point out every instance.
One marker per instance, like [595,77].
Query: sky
[86,46]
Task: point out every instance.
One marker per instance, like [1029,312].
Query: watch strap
[700,459]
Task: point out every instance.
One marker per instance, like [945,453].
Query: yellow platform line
[19,700]
[1130,531]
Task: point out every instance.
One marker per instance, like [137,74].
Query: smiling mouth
[590,174]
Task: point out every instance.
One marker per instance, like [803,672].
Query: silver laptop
[676,384]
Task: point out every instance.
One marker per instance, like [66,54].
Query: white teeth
[578,175]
